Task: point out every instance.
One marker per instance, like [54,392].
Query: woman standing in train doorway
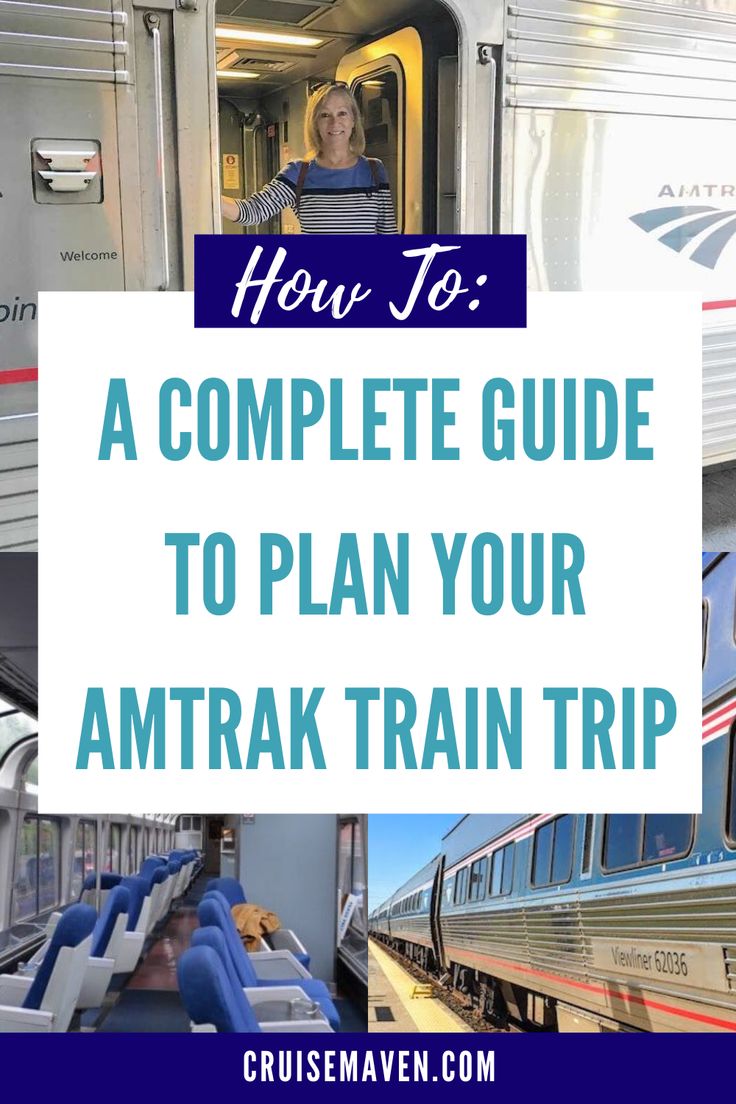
[335,189]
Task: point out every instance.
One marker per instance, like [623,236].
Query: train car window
[132,849]
[477,888]
[502,871]
[378,98]
[507,876]
[562,849]
[542,865]
[449,888]
[14,725]
[85,854]
[461,886]
[553,847]
[37,868]
[623,840]
[666,835]
[112,859]
[633,839]
[425,899]
[587,845]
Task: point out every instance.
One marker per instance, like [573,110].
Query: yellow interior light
[273,38]
[228,74]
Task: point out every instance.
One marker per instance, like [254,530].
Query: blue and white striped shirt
[333,201]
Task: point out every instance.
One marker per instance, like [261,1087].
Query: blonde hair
[314,105]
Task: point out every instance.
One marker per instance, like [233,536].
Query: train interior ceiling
[107,921]
[399,57]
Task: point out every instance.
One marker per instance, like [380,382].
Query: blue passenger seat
[283,939]
[213,912]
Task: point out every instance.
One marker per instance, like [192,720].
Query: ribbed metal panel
[557,938]
[629,57]
[501,934]
[719,389]
[85,42]
[413,930]
[18,483]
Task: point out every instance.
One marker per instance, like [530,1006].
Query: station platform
[392,1005]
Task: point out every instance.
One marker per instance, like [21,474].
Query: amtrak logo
[709,229]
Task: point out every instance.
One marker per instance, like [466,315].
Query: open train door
[386,78]
[434,916]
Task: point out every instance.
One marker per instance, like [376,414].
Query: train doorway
[401,60]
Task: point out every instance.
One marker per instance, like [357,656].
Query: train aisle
[148,999]
[391,1006]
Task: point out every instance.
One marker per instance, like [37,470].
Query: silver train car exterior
[595,923]
[603,133]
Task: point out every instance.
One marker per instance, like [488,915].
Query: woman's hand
[229,208]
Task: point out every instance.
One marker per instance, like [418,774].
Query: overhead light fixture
[228,74]
[241,34]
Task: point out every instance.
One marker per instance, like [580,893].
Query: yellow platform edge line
[427,1013]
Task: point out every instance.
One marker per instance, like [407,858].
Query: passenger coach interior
[162,922]
[399,57]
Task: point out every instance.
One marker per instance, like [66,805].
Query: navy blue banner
[474,1067]
[285,280]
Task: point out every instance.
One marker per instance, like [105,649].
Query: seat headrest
[152,863]
[230,888]
[138,889]
[108,880]
[117,902]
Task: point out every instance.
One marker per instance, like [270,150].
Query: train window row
[636,839]
[37,880]
[630,840]
[415,902]
[490,876]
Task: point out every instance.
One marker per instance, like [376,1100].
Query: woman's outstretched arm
[275,197]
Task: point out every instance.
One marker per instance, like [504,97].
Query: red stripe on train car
[606,990]
[712,715]
[719,304]
[719,729]
[18,375]
[719,721]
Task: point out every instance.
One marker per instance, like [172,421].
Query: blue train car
[407,920]
[607,923]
